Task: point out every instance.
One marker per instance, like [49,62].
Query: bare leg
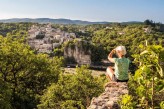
[109,73]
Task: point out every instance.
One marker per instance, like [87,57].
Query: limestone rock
[109,98]
[78,53]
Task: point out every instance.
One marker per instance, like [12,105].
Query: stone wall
[108,99]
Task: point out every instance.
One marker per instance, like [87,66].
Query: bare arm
[110,56]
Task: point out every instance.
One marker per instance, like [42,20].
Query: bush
[72,91]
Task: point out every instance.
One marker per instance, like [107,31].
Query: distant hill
[55,21]
[132,22]
[49,20]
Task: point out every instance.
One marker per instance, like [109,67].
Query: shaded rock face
[162,28]
[108,99]
[78,54]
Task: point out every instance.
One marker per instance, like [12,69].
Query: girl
[120,72]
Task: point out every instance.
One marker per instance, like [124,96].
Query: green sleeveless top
[121,68]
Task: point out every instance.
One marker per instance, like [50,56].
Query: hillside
[49,20]
[58,21]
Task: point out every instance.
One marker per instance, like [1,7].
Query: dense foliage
[17,30]
[147,85]
[72,91]
[24,74]
[130,36]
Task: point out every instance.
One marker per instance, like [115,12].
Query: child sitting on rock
[121,67]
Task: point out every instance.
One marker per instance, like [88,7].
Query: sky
[88,10]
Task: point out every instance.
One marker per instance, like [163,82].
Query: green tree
[147,84]
[25,73]
[73,91]
[5,95]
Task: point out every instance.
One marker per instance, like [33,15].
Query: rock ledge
[108,99]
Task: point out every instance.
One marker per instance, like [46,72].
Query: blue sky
[90,10]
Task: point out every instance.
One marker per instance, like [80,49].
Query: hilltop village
[45,38]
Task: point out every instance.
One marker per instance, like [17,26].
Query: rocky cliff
[109,98]
[78,53]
